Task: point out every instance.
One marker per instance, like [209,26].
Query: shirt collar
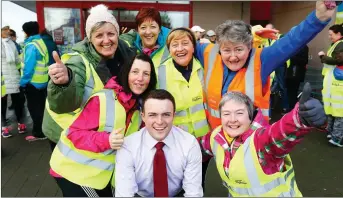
[151,142]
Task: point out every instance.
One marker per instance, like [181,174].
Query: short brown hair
[180,33]
[148,13]
[159,94]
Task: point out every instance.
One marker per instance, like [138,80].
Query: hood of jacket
[338,72]
[31,38]
[161,40]
[126,99]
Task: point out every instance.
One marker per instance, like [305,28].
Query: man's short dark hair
[31,28]
[159,94]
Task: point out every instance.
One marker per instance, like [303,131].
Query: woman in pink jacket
[252,157]
[96,133]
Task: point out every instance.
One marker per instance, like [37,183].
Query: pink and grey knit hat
[100,13]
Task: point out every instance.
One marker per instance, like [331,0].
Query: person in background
[335,35]
[34,79]
[252,157]
[100,56]
[50,44]
[5,130]
[160,160]
[211,35]
[233,63]
[150,36]
[198,31]
[333,100]
[295,74]
[13,36]
[98,131]
[9,64]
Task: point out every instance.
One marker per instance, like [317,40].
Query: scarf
[148,51]
[9,52]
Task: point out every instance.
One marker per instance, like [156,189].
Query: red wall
[260,10]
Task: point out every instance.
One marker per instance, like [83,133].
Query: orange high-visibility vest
[247,80]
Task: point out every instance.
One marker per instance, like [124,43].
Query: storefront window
[64,26]
[175,19]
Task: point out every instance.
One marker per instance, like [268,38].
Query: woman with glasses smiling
[234,65]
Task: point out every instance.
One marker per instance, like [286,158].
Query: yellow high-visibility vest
[87,168]
[190,109]
[332,95]
[40,74]
[92,85]
[245,177]
[327,67]
[3,87]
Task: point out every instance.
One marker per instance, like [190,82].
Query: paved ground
[24,168]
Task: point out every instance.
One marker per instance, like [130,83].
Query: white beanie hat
[99,13]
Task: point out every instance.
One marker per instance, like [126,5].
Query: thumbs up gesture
[116,139]
[311,111]
[58,72]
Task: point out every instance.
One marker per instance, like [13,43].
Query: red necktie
[160,172]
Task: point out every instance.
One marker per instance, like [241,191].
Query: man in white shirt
[160,160]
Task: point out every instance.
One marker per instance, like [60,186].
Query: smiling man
[160,160]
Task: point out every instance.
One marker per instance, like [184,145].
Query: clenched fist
[58,72]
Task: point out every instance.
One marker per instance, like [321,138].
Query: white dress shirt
[134,164]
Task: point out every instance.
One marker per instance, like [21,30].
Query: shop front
[65,20]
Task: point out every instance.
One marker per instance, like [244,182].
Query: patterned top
[272,142]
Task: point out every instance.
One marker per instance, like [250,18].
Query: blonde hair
[178,34]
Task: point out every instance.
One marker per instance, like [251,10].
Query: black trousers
[18,100]
[292,91]
[204,170]
[36,104]
[70,189]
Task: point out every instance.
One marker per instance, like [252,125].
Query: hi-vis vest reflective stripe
[327,67]
[3,88]
[190,113]
[92,85]
[160,56]
[333,95]
[40,74]
[247,80]
[245,177]
[87,168]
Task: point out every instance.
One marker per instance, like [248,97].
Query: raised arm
[71,91]
[284,48]
[278,140]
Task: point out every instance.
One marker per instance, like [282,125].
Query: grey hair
[235,31]
[96,27]
[238,97]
